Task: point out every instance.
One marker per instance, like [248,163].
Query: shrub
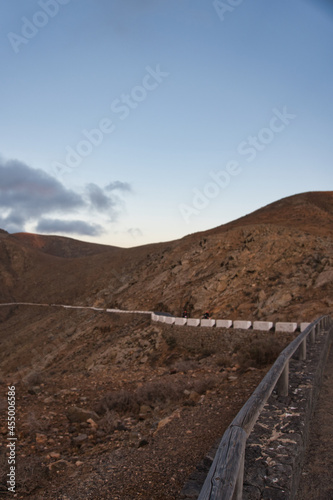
[224,360]
[203,385]
[120,401]
[156,392]
[159,391]
[185,366]
[171,342]
[33,378]
[260,352]
[31,474]
[109,422]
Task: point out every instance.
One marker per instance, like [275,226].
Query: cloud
[118,186]
[99,199]
[69,227]
[13,223]
[29,195]
[31,190]
[135,232]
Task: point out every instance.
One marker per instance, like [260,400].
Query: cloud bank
[29,195]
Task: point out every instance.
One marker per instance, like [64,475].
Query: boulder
[76,414]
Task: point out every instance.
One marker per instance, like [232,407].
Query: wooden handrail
[225,478]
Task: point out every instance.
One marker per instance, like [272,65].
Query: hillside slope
[275,263]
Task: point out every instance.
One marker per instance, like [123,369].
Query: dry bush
[205,384]
[31,474]
[224,360]
[171,342]
[185,365]
[207,351]
[159,391]
[156,392]
[109,422]
[119,401]
[33,378]
[260,352]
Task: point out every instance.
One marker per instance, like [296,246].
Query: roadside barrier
[225,478]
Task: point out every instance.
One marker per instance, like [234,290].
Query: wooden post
[302,351]
[283,382]
[238,493]
[312,335]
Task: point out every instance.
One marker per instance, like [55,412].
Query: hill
[60,246]
[100,394]
[273,263]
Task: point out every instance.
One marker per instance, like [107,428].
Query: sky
[127,122]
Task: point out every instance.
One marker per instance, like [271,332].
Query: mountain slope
[275,263]
[60,246]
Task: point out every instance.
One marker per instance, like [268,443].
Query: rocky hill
[275,263]
[100,394]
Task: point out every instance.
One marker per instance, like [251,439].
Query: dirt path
[317,478]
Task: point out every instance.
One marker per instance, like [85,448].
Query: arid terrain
[107,405]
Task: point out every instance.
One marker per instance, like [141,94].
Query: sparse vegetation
[171,341]
[34,378]
[260,352]
[155,392]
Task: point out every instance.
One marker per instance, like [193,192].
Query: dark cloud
[29,192]
[13,223]
[99,199]
[58,226]
[118,186]
[30,195]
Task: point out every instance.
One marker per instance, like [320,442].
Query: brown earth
[155,403]
[108,407]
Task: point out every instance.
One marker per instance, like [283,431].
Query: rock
[162,423]
[78,463]
[324,278]
[48,400]
[36,389]
[81,438]
[92,423]
[41,438]
[76,414]
[143,442]
[194,396]
[54,454]
[145,411]
[60,465]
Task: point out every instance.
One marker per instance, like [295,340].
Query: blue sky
[133,121]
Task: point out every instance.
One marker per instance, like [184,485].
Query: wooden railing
[225,478]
